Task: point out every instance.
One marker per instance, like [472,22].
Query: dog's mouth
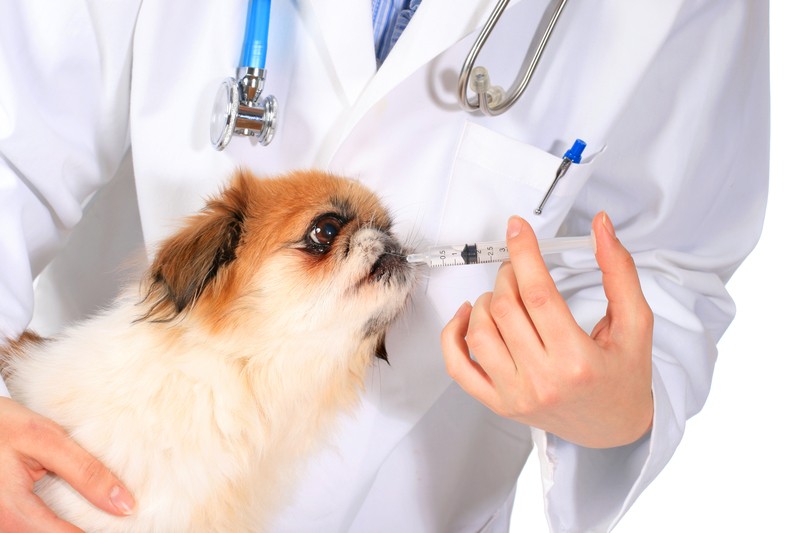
[390,264]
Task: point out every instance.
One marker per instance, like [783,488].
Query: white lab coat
[671,97]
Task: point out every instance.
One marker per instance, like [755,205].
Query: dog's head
[306,254]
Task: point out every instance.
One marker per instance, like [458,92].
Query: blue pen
[573,155]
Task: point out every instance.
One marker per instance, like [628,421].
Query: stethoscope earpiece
[492,100]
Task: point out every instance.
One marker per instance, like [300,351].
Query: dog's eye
[325,230]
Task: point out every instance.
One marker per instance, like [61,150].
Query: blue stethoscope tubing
[256,34]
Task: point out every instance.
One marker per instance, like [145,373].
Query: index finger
[57,452]
[548,310]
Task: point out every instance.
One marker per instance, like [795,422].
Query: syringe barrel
[491,251]
[565,244]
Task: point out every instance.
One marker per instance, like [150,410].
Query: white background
[738,467]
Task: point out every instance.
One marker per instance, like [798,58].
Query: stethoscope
[240,109]
[493,100]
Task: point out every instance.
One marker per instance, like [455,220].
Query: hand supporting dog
[532,361]
[32,446]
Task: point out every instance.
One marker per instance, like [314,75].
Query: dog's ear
[380,348]
[194,259]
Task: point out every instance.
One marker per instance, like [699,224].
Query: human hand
[30,447]
[534,364]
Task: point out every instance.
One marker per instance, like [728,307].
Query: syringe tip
[416,258]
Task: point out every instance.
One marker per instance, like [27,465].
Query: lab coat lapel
[435,26]
[345,33]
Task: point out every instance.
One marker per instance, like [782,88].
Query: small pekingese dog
[206,385]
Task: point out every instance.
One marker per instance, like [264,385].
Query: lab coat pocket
[494,177]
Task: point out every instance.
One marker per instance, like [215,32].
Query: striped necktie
[389,19]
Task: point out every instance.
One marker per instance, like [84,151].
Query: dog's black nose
[390,263]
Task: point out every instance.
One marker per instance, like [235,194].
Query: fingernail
[514,227]
[122,500]
[608,225]
[465,309]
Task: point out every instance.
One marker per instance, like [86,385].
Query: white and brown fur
[206,386]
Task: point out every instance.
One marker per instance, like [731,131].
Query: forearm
[63,134]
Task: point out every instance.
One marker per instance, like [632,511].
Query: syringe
[491,252]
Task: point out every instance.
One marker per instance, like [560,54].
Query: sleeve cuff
[589,490]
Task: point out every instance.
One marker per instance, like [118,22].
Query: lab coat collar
[347,45]
[347,41]
[435,26]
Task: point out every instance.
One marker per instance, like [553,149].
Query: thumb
[626,302]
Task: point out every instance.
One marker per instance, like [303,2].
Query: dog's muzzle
[390,264]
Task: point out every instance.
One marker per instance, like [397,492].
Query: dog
[206,384]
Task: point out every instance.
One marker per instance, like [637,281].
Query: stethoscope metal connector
[493,100]
[240,109]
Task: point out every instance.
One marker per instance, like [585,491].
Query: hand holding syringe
[497,251]
[491,252]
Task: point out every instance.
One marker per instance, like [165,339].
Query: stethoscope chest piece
[239,108]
